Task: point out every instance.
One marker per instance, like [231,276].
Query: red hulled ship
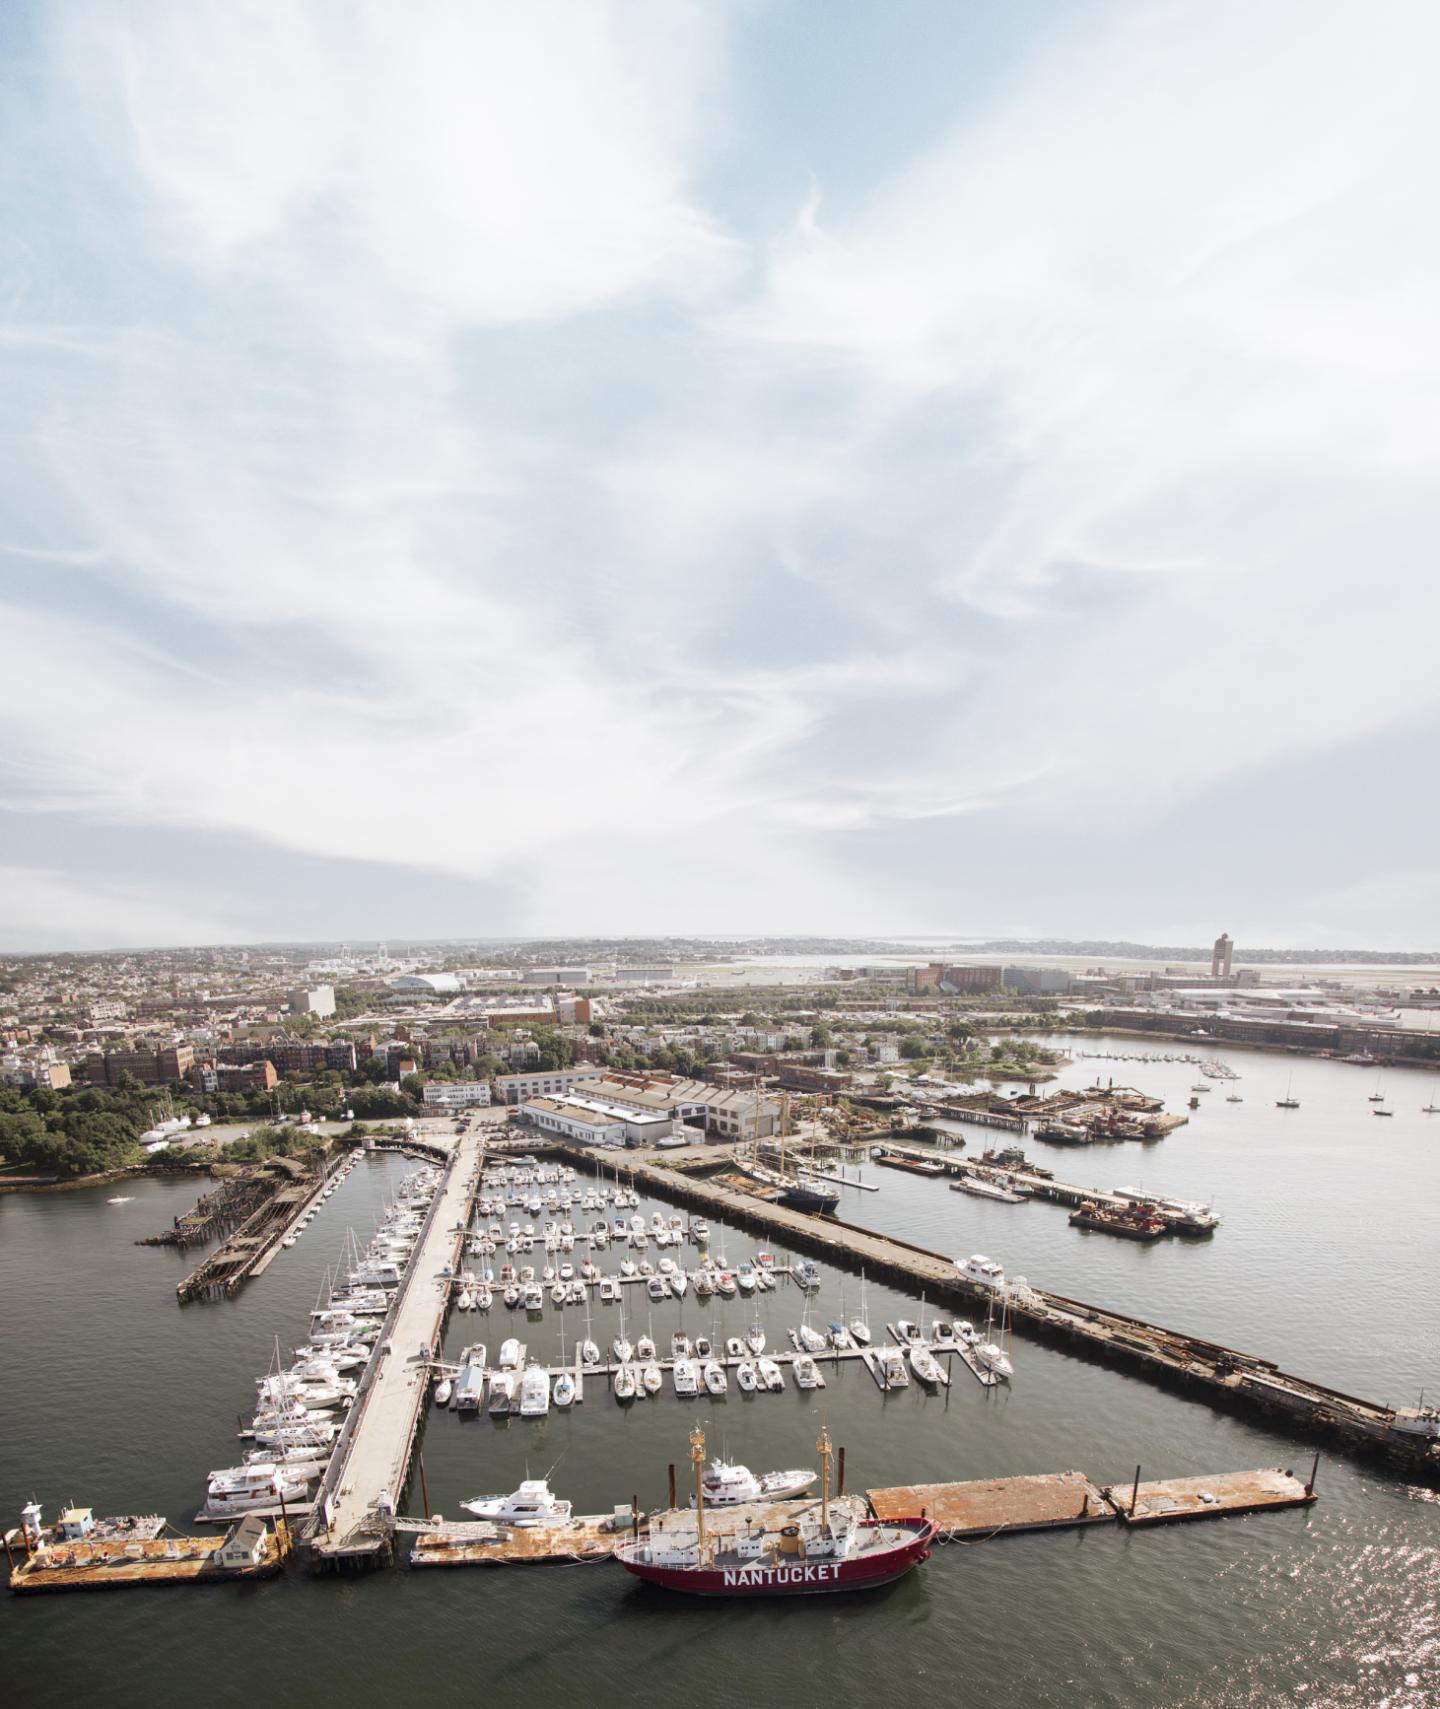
[805,1558]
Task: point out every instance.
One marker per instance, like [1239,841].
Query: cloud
[43,909]
[416,460]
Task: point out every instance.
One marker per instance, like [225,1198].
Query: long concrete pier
[1224,1376]
[350,1528]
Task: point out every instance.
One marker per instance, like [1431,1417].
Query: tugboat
[801,1559]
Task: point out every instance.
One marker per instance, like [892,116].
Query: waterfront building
[456,1094]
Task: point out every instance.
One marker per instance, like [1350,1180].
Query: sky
[699,466]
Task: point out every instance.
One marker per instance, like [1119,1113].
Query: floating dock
[115,1566]
[1213,1497]
[995,1507]
[483,1544]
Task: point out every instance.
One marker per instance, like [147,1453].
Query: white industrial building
[456,1094]
[543,1082]
[594,1121]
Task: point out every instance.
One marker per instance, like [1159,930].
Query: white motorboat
[685,1374]
[807,1373]
[531,1504]
[714,1375]
[645,1349]
[734,1347]
[983,1271]
[511,1354]
[244,1489]
[746,1378]
[891,1364]
[443,1390]
[924,1364]
[727,1485]
[658,1289]
[771,1375]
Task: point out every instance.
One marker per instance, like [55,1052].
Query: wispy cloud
[429,466]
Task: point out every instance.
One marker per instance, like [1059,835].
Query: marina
[911,1437]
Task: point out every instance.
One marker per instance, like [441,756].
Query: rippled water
[116,1397]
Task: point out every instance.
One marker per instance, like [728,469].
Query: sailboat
[1431,1109]
[1288,1102]
[860,1326]
[1378,1095]
[620,1346]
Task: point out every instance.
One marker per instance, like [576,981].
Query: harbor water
[117,1398]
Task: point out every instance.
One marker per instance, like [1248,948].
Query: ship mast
[697,1459]
[824,1450]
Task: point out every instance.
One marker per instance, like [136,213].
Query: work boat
[724,1484]
[531,1504]
[804,1558]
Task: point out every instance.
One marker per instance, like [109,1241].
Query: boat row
[298,1410]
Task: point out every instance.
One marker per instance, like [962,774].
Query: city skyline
[561,470]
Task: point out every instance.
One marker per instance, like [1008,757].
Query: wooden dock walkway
[367,1472]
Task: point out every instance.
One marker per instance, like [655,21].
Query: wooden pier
[292,1190]
[362,1486]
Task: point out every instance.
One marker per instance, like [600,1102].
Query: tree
[820,1037]
[913,1049]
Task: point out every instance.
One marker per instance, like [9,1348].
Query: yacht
[242,1489]
[807,1373]
[727,1485]
[686,1377]
[531,1504]
[983,1271]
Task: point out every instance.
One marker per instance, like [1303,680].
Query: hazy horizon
[479,469]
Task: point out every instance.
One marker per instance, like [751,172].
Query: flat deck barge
[994,1507]
[1212,1497]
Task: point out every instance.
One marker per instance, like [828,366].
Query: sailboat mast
[823,1447]
[697,1459]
